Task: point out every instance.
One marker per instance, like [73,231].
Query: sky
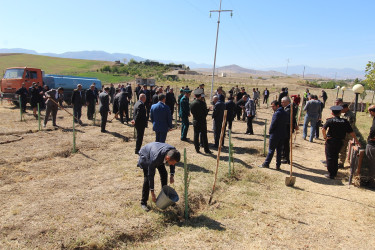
[260,34]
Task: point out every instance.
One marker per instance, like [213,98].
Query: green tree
[370,78]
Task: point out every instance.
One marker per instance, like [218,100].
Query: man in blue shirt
[154,156]
[161,119]
[277,135]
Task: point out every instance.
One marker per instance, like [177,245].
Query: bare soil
[51,198]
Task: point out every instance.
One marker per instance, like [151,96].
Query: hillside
[235,69]
[51,65]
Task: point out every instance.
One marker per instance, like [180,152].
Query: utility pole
[303,75]
[217,36]
[287,64]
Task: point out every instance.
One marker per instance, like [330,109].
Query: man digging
[151,157]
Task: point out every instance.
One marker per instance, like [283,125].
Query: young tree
[370,77]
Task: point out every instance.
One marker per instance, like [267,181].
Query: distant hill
[51,65]
[235,69]
[86,55]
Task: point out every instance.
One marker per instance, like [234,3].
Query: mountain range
[274,71]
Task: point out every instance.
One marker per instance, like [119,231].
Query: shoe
[197,150]
[208,151]
[55,125]
[184,139]
[304,138]
[80,122]
[277,167]
[145,208]
[285,162]
[263,166]
[341,165]
[103,131]
[329,177]
[137,152]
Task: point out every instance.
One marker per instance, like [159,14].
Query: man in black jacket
[77,101]
[198,109]
[170,100]
[123,105]
[139,121]
[91,100]
[22,92]
[217,117]
[240,107]
[230,106]
[286,103]
[104,108]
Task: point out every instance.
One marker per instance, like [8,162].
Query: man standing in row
[287,105]
[217,117]
[161,119]
[53,98]
[77,101]
[91,101]
[240,105]
[104,108]
[139,120]
[185,113]
[123,105]
[199,111]
[250,113]
[313,109]
[170,100]
[22,92]
[151,157]
[277,135]
[266,94]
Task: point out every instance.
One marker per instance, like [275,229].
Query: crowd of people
[158,105]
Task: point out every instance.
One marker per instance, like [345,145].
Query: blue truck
[15,77]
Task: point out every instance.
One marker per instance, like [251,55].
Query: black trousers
[250,125]
[286,145]
[317,127]
[229,123]
[146,183]
[265,99]
[50,110]
[140,132]
[332,150]
[90,110]
[172,110]
[123,108]
[77,112]
[239,112]
[104,115]
[201,131]
[217,132]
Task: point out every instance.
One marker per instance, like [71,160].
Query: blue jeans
[161,136]
[312,120]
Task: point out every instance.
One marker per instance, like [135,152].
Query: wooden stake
[186,187]
[218,153]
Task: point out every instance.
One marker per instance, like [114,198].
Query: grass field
[363,124]
[107,78]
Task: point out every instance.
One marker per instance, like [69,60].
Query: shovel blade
[290,181]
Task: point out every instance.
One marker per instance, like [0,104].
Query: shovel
[291,180]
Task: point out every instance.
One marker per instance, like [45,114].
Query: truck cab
[14,77]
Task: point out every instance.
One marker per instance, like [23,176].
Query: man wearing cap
[77,101]
[185,113]
[348,115]
[104,108]
[161,119]
[217,117]
[337,129]
[199,111]
[370,148]
[152,156]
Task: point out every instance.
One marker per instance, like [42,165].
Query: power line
[217,36]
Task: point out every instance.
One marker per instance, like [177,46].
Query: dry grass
[51,198]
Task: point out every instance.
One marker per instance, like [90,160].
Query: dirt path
[50,198]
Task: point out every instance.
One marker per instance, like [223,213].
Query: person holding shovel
[277,135]
[54,96]
[337,129]
[154,156]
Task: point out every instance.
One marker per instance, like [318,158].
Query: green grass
[50,65]
[107,78]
